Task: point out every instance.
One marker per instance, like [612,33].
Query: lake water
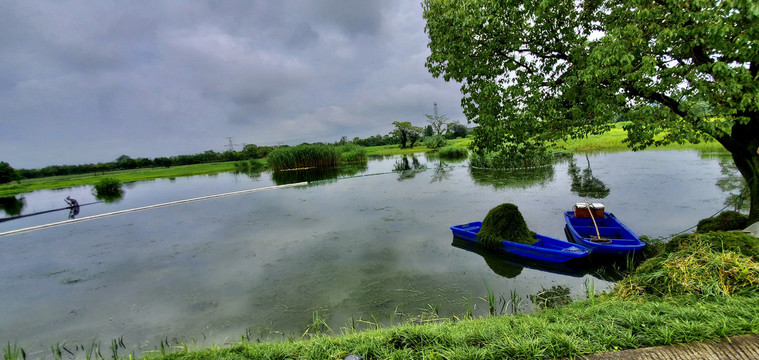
[375,244]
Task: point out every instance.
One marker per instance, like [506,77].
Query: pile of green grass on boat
[504,222]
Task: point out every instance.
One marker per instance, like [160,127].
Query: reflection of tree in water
[584,183]
[520,178]
[408,169]
[12,205]
[442,172]
[110,198]
[733,184]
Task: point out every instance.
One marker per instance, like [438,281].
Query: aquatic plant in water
[108,189]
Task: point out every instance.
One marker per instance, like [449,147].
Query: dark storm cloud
[84,81]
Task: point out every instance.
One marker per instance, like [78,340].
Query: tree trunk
[749,168]
[743,144]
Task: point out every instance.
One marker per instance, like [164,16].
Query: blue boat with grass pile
[543,249]
[589,225]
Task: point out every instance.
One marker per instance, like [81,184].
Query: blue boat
[615,237]
[543,249]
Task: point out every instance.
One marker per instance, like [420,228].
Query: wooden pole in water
[587,206]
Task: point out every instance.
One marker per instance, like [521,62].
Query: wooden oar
[598,238]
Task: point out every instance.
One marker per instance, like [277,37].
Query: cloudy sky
[87,81]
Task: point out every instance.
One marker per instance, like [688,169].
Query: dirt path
[739,347]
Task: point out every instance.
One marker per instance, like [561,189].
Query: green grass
[124,176]
[612,141]
[385,150]
[580,328]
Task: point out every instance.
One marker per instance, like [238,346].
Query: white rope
[92,217]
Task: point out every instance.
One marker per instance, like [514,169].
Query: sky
[88,81]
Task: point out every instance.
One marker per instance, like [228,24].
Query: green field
[612,141]
[125,176]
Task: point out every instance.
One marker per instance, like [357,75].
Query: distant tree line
[125,162]
[250,151]
[452,130]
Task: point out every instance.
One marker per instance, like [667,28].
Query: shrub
[108,189]
[453,152]
[504,222]
[727,220]
[434,142]
[511,160]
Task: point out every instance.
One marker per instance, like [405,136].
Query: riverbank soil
[738,347]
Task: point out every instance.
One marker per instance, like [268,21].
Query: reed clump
[352,153]
[719,264]
[504,222]
[319,156]
[453,152]
[303,156]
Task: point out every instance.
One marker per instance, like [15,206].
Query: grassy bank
[396,150]
[124,176]
[580,328]
[609,141]
[612,141]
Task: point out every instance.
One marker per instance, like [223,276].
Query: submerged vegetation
[504,222]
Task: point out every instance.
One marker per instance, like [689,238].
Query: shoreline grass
[124,176]
[579,328]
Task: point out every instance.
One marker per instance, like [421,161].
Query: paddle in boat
[543,249]
[591,226]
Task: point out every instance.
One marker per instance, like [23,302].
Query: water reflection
[521,178]
[313,175]
[442,172]
[408,169]
[584,183]
[510,266]
[110,198]
[12,205]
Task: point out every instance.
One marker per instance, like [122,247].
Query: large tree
[7,173]
[680,71]
[406,133]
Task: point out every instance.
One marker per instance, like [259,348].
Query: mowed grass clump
[727,220]
[718,264]
[504,222]
[303,157]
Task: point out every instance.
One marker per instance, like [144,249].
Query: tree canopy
[7,173]
[406,133]
[535,72]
